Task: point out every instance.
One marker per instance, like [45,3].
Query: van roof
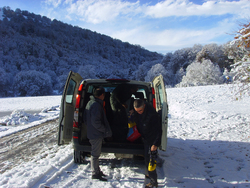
[116,81]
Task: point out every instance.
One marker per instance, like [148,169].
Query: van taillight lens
[78,96]
[153,94]
[75,124]
[77,106]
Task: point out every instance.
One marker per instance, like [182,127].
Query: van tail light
[78,96]
[153,94]
[77,106]
[75,124]
[76,112]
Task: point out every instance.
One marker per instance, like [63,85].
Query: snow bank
[19,119]
[28,103]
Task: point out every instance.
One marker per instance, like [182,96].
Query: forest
[37,53]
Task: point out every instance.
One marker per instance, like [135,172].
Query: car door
[161,107]
[67,108]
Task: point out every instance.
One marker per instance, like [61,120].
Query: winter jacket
[119,96]
[149,126]
[95,119]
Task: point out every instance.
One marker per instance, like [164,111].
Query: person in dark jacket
[118,100]
[149,126]
[97,129]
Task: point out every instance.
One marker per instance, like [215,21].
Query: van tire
[79,156]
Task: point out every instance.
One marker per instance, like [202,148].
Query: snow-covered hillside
[208,146]
[1,13]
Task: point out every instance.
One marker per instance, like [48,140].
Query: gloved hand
[152,161]
[153,155]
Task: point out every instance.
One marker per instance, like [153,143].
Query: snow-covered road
[208,146]
[22,146]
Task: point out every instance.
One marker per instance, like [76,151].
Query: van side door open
[67,108]
[161,107]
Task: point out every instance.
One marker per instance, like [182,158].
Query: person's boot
[151,185]
[102,174]
[99,177]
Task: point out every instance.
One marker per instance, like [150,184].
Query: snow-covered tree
[204,73]
[61,83]
[143,70]
[87,71]
[32,83]
[4,83]
[156,70]
[167,59]
[242,67]
[179,75]
[214,53]
[177,63]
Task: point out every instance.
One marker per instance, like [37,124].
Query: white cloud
[129,21]
[172,39]
[186,8]
[54,3]
[97,11]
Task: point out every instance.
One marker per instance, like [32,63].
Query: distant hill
[51,48]
[37,53]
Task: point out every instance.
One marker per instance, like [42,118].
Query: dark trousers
[152,174]
[96,147]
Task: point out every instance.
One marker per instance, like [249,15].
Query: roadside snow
[208,146]
[47,108]
[28,103]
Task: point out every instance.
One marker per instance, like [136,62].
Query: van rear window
[140,94]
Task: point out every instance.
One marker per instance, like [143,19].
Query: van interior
[142,93]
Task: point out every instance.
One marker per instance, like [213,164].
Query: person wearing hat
[97,129]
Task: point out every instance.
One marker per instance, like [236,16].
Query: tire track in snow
[21,146]
[120,173]
[52,173]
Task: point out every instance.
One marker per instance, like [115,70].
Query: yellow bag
[152,161]
[151,165]
[131,122]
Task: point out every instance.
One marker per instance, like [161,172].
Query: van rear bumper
[112,147]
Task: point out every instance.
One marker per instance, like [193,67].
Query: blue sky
[157,25]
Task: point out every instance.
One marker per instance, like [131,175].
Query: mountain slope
[34,42]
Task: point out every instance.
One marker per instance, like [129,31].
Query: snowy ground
[208,145]
[20,116]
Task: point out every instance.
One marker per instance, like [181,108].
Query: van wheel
[138,157]
[79,156]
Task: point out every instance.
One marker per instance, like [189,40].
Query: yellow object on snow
[151,165]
